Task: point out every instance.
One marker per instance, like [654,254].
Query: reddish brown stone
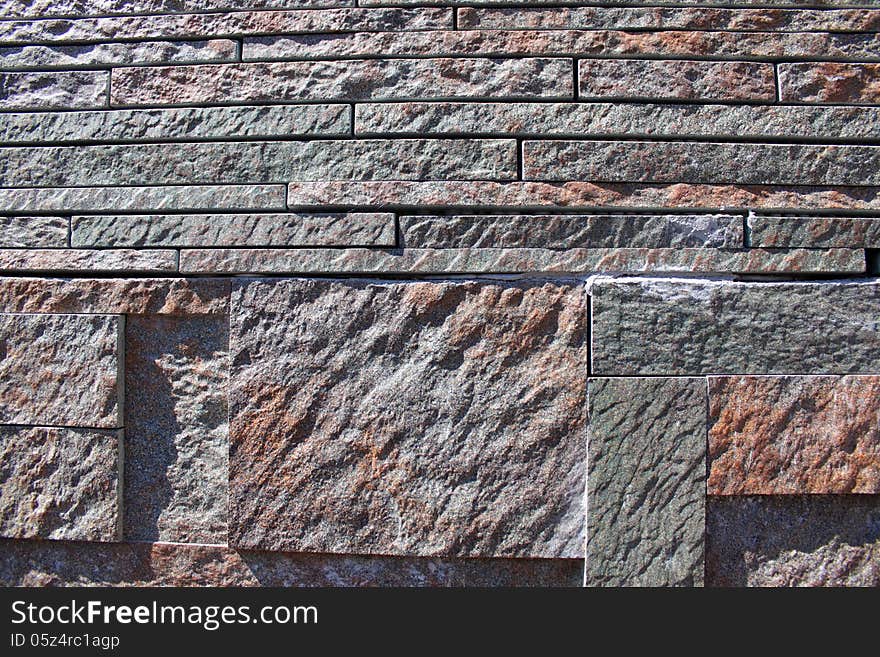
[829,83]
[794,435]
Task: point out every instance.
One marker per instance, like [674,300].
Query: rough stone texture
[675,80]
[570,231]
[794,435]
[829,83]
[178,124]
[233,24]
[259,162]
[434,419]
[688,162]
[55,90]
[566,43]
[63,8]
[177,430]
[376,79]
[812,540]
[669,18]
[33,232]
[129,296]
[118,54]
[59,483]
[646,482]
[39,563]
[576,194]
[675,327]
[109,199]
[478,260]
[617,119]
[817,232]
[352,229]
[70,260]
[61,370]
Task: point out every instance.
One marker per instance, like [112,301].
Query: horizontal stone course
[63,370]
[42,8]
[146,198]
[618,119]
[33,232]
[118,54]
[53,90]
[59,483]
[829,83]
[42,563]
[629,79]
[171,230]
[571,43]
[673,327]
[810,540]
[423,418]
[376,79]
[258,162]
[794,435]
[177,124]
[747,164]
[488,261]
[88,260]
[121,296]
[571,231]
[228,24]
[815,232]
[577,195]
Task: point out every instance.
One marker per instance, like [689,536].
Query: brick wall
[478,292]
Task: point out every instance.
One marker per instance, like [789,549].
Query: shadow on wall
[793,540]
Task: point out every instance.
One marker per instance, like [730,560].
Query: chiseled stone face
[829,82]
[33,232]
[54,90]
[673,327]
[794,435]
[813,232]
[176,428]
[59,483]
[789,540]
[61,370]
[420,418]
[646,482]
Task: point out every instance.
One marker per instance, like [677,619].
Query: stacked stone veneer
[356,292]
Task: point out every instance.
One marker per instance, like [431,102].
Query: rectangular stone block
[59,483]
[65,8]
[56,563]
[689,162]
[617,119]
[631,79]
[178,124]
[61,370]
[564,231]
[565,43]
[177,428]
[580,195]
[810,540]
[54,90]
[813,232]
[794,435]
[86,260]
[374,79]
[479,260]
[259,162]
[679,328]
[646,482]
[431,419]
[174,230]
[33,232]
[115,296]
[46,57]
[180,25]
[158,198]
[829,83]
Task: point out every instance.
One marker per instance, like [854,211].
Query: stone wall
[477,292]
